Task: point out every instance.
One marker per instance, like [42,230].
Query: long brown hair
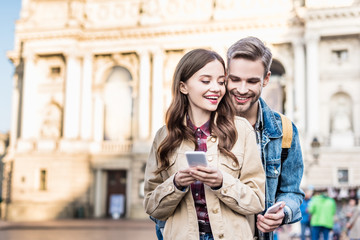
[222,120]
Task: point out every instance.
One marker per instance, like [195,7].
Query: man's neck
[251,115]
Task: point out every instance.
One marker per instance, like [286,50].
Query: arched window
[341,114]
[52,121]
[118,105]
[274,92]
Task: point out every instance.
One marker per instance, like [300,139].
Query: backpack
[287,136]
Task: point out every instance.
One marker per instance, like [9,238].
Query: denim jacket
[290,172]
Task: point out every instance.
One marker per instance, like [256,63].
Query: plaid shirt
[197,188]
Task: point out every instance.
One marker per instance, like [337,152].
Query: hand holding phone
[274,208]
[196,158]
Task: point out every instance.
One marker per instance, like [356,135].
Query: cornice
[333,14]
[160,31]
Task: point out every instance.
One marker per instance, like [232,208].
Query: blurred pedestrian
[305,221]
[353,225]
[322,209]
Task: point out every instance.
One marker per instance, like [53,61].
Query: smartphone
[196,158]
[274,208]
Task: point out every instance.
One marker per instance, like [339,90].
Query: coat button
[276,171]
[224,191]
[170,188]
[234,164]
[221,236]
[215,210]
[213,139]
[210,158]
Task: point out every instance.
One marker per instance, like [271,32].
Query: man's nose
[242,88]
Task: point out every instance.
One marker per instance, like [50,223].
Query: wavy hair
[222,120]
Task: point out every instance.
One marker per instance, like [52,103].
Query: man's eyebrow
[233,76]
[254,79]
[249,79]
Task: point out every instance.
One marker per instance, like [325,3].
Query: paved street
[89,229]
[79,230]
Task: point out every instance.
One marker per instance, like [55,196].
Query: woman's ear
[183,88]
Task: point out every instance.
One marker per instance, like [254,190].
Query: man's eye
[234,79]
[221,83]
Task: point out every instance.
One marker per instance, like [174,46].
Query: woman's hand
[183,178]
[207,175]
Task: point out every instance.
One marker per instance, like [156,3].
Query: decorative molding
[333,13]
[160,31]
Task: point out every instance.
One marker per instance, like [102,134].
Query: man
[249,62]
[248,72]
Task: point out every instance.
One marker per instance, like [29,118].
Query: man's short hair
[251,48]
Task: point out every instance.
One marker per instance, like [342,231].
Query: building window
[340,56]
[43,179]
[55,71]
[343,176]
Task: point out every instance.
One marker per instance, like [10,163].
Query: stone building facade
[92,84]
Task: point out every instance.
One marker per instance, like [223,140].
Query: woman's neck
[199,118]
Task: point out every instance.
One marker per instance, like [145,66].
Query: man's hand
[270,221]
[183,178]
[207,175]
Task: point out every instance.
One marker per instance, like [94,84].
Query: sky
[9,13]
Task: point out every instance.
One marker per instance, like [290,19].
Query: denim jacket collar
[271,127]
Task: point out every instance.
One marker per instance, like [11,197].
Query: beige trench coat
[242,194]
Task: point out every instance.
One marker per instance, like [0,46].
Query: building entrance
[116,193]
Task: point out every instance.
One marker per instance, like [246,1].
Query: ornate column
[144,96]
[157,107]
[16,105]
[312,87]
[72,97]
[28,116]
[98,194]
[98,117]
[299,83]
[86,103]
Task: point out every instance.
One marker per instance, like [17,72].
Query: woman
[353,225]
[204,202]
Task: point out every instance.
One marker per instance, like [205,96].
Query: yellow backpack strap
[287,131]
[286,142]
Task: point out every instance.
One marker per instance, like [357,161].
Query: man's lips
[241,99]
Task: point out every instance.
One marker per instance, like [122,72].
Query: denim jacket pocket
[273,169]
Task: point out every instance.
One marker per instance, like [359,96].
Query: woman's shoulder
[160,134]
[241,122]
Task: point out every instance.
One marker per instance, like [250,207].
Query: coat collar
[271,127]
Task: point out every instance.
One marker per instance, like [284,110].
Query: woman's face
[205,89]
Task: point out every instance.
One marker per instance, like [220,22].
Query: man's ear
[266,79]
[183,88]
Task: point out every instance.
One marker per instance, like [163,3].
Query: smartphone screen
[196,158]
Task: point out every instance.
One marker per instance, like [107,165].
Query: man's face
[245,83]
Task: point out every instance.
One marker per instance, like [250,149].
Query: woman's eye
[222,83]
[205,81]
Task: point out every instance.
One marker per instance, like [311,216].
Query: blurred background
[89,84]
